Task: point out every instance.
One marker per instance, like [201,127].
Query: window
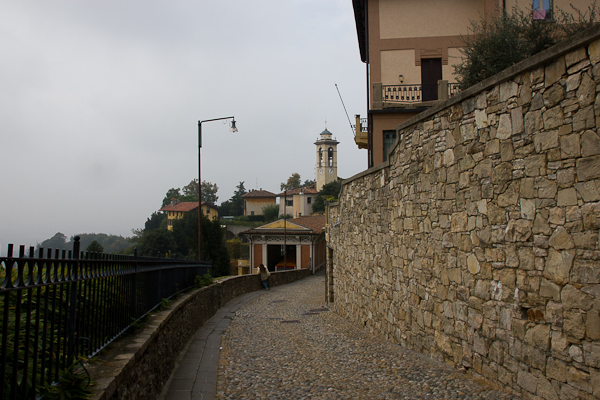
[320,157]
[389,137]
[308,200]
[541,9]
[251,212]
[289,203]
[330,156]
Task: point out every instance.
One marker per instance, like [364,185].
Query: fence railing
[58,307]
[417,93]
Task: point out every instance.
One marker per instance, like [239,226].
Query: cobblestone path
[286,345]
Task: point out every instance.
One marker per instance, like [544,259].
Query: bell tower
[326,159]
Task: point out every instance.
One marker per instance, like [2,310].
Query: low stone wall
[477,243]
[137,366]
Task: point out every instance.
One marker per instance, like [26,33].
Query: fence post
[134,291]
[73,300]
[442,87]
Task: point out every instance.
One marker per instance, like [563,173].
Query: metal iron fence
[415,93]
[56,308]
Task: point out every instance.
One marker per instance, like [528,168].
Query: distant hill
[112,244]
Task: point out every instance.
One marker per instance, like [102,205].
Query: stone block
[574,323]
[553,118]
[594,51]
[573,298]
[545,390]
[554,72]
[579,379]
[556,369]
[586,93]
[584,119]
[554,95]
[588,168]
[527,381]
[561,240]
[533,121]
[558,266]
[569,146]
[590,144]
[549,289]
[539,336]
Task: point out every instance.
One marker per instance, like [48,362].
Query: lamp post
[232,129]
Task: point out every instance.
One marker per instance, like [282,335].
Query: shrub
[508,38]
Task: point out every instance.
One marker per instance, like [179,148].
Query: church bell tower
[326,159]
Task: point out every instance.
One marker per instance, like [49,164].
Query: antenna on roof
[347,116]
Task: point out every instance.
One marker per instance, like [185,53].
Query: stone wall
[137,366]
[477,243]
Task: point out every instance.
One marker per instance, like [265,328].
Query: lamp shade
[233,127]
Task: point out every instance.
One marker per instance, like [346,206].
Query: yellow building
[176,209]
[409,48]
[255,200]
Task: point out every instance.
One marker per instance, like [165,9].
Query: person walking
[264,276]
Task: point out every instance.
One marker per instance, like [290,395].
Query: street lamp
[232,129]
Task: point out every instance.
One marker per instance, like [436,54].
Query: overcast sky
[100,101]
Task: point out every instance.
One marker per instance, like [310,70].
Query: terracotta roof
[183,206]
[316,224]
[259,193]
[306,190]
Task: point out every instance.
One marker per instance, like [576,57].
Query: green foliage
[58,241]
[270,212]
[235,205]
[329,192]
[510,37]
[308,182]
[201,281]
[233,247]
[158,241]
[213,246]
[72,384]
[110,243]
[155,221]
[293,182]
[95,247]
[165,303]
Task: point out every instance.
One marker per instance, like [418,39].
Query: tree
[157,242]
[270,212]
[329,192]
[155,221]
[185,234]
[508,38]
[308,182]
[209,192]
[95,247]
[171,194]
[293,182]
[58,241]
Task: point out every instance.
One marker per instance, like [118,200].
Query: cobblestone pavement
[286,345]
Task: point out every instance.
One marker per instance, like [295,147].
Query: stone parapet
[478,243]
[137,366]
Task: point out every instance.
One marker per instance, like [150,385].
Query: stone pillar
[443,90]
[298,256]
[264,257]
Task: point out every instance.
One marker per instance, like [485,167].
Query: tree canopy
[329,192]
[235,205]
[293,182]
[190,193]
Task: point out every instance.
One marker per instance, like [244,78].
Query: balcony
[361,134]
[388,96]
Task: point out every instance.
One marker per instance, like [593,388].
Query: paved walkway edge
[195,373]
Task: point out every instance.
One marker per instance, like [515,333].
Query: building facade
[409,48]
[300,240]
[177,209]
[256,200]
[297,202]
